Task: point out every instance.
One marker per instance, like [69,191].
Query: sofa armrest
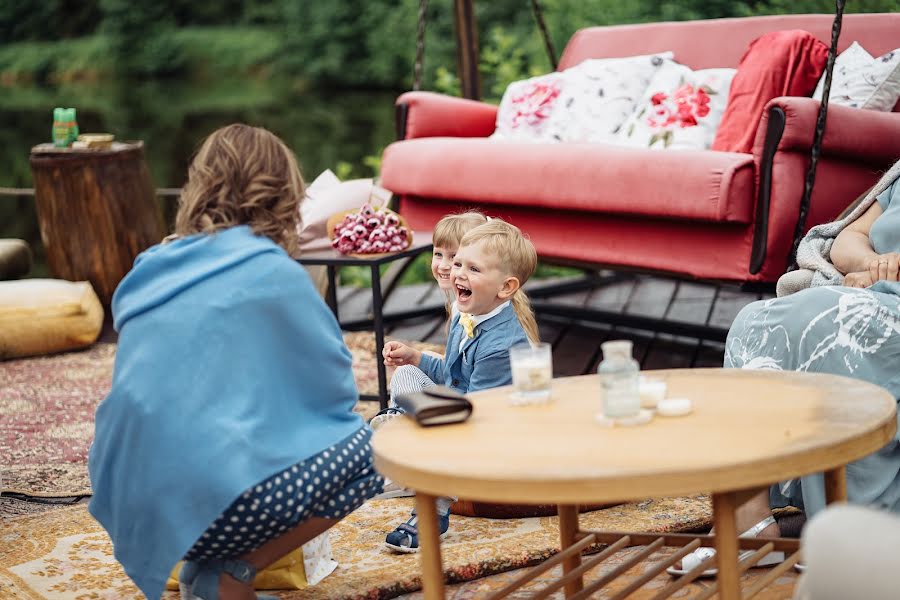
[859,135]
[867,138]
[426,114]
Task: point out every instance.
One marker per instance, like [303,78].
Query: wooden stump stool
[97,211]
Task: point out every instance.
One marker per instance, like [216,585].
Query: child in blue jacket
[492,314]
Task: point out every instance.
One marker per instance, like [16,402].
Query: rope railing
[10,191]
[6,191]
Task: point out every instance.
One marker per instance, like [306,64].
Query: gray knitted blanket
[814,251]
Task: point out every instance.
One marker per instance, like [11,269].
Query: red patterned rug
[47,409]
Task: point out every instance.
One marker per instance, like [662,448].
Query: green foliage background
[336,43]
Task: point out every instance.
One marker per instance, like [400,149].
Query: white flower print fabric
[585,103]
[837,330]
[861,81]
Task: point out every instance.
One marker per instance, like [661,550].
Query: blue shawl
[229,368]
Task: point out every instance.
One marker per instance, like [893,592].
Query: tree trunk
[97,211]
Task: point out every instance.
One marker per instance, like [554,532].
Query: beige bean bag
[39,316]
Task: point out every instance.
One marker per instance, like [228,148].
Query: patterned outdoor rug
[65,554]
[47,409]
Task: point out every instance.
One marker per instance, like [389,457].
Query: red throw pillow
[781,63]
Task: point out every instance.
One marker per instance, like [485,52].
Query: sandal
[700,554]
[200,580]
[405,538]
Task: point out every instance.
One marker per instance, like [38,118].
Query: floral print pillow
[526,107]
[861,81]
[680,109]
[585,103]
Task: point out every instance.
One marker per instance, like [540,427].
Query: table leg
[568,530]
[836,485]
[331,295]
[724,506]
[430,547]
[378,326]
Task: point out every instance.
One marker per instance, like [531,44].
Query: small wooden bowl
[97,141]
[338,217]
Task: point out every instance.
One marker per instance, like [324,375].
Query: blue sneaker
[405,538]
[186,577]
[200,581]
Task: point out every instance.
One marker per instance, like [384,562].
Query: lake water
[323,128]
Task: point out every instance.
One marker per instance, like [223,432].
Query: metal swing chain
[819,134]
[548,42]
[420,46]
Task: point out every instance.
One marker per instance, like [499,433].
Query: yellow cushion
[39,316]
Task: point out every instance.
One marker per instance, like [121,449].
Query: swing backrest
[712,43]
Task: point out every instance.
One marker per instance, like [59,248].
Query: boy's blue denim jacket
[483,362]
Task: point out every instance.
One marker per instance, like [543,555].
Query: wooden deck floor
[576,343]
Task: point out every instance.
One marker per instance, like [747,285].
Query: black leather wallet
[437,405]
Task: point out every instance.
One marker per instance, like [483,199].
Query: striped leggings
[409,380]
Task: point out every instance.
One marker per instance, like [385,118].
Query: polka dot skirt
[331,485]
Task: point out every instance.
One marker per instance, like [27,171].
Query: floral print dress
[842,331]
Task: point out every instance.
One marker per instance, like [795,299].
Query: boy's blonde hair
[450,230]
[243,175]
[517,257]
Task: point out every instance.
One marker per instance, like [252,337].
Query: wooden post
[729,578]
[467,48]
[97,211]
[836,485]
[430,547]
[568,535]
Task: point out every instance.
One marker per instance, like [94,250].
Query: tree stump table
[97,211]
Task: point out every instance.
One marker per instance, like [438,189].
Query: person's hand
[860,279]
[884,267]
[397,354]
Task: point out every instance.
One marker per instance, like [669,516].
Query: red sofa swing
[695,214]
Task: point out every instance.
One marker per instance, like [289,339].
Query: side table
[97,211]
[332,259]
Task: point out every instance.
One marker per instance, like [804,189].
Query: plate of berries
[368,231]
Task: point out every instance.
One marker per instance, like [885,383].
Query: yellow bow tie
[468,323]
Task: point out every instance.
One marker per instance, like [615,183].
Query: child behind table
[493,313]
[446,237]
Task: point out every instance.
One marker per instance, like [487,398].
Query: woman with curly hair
[228,438]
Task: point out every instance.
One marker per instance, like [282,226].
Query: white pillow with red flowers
[681,109]
[585,103]
[524,113]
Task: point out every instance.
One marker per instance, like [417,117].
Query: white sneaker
[393,489]
[700,554]
[384,416]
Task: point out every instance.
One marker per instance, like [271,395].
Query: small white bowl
[652,391]
[674,407]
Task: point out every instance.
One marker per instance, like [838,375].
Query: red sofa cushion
[781,63]
[675,184]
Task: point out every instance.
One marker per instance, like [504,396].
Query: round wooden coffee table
[748,430]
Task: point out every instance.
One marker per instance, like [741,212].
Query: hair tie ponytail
[522,307]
